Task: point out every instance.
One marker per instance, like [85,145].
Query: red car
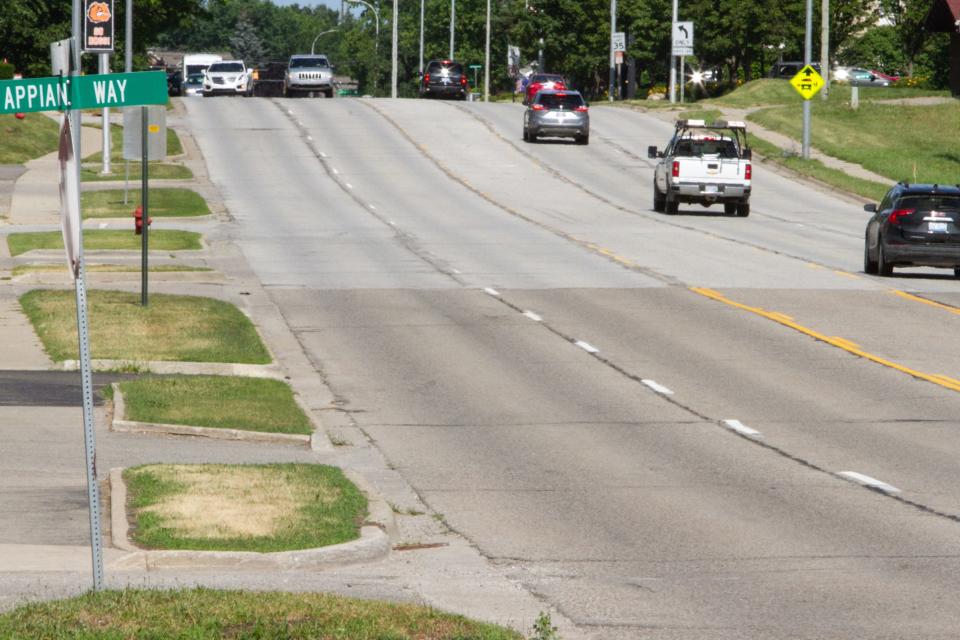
[540,81]
[885,76]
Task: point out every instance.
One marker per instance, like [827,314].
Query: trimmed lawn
[34,136]
[164,202]
[158,171]
[207,614]
[178,328]
[22,269]
[107,240]
[770,91]
[174,147]
[255,507]
[251,404]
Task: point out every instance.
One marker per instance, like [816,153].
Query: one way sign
[683,38]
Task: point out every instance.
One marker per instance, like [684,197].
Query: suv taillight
[538,107]
[581,109]
[748,172]
[676,169]
[463,80]
[896,214]
[426,77]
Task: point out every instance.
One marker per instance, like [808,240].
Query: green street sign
[83,92]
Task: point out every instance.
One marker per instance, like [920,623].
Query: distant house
[944,17]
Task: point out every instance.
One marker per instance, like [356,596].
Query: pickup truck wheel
[730,208]
[329,93]
[672,206]
[659,200]
[743,210]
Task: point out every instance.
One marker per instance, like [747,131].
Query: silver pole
[682,79]
[128,36]
[421,37]
[393,67]
[453,17]
[825,47]
[673,59]
[613,29]
[807,46]
[105,121]
[89,437]
[486,61]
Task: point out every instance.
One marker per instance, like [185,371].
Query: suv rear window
[568,101]
[451,67]
[929,203]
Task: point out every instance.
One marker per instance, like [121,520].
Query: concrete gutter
[374,542]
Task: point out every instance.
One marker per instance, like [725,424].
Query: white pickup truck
[704,164]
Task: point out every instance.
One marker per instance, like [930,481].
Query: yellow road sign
[807,82]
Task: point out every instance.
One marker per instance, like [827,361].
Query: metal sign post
[613,48]
[807,46]
[144,199]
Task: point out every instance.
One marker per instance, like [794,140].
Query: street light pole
[393,53]
[673,59]
[453,17]
[613,29]
[486,62]
[421,37]
[322,33]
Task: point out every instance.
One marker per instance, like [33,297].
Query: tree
[245,43]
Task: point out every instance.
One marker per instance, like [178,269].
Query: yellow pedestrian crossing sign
[807,82]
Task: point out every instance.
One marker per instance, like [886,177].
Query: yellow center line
[846,345]
[932,303]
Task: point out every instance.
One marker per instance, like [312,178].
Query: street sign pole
[683,80]
[486,60]
[673,59]
[89,438]
[393,52]
[105,121]
[144,200]
[807,46]
[613,31]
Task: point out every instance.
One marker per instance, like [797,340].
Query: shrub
[6,71]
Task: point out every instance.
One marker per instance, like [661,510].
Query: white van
[197,63]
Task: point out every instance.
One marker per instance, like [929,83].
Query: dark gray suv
[915,225]
[557,113]
[444,79]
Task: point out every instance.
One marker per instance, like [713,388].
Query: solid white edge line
[656,386]
[867,481]
[491,291]
[533,316]
[742,429]
[586,346]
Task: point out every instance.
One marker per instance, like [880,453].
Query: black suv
[444,79]
[915,225]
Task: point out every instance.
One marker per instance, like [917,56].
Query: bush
[657,89]
[6,71]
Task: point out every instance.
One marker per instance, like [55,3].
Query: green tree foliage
[245,43]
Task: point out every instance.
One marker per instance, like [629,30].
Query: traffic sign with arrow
[807,82]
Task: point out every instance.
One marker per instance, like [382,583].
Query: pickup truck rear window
[722,148]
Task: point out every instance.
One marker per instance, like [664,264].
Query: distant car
[194,85]
[860,77]
[786,70]
[444,79]
[174,85]
[308,74]
[228,77]
[915,225]
[557,113]
[886,76]
[541,81]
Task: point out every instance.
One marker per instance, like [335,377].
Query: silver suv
[557,113]
[309,74]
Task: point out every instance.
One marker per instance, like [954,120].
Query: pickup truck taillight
[748,172]
[676,169]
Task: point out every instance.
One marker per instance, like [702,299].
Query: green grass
[708,115]
[914,143]
[251,404]
[179,328]
[817,170]
[164,202]
[257,507]
[106,239]
[22,269]
[34,136]
[174,146]
[158,171]
[769,92]
[206,614]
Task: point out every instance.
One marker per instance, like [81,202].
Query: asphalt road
[651,421]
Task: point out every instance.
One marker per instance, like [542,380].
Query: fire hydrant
[138,220]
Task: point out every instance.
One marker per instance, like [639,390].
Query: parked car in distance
[885,76]
[786,70]
[562,114]
[541,81]
[308,74]
[915,225]
[444,79]
[228,77]
[194,85]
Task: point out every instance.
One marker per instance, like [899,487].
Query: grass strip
[251,507]
[771,91]
[178,328]
[106,240]
[34,136]
[220,402]
[23,269]
[207,614]
[900,142]
[817,170]
[174,146]
[165,202]
[158,171]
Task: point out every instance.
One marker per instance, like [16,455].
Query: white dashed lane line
[656,386]
[491,291]
[742,429]
[533,316]
[586,346]
[867,481]
[349,186]
[335,172]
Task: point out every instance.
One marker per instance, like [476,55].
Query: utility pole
[486,61]
[825,47]
[421,37]
[673,59]
[393,63]
[453,18]
[807,46]
[613,30]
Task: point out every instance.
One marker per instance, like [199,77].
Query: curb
[214,433]
[374,542]
[271,371]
